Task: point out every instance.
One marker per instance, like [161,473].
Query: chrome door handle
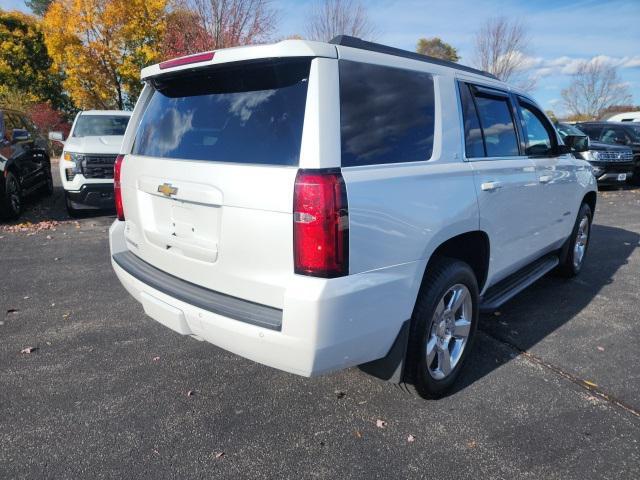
[545,178]
[490,186]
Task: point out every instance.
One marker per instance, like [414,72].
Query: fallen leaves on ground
[472,444]
[381,423]
[191,393]
[340,394]
[12,310]
[357,434]
[411,438]
[28,350]
[218,455]
[591,384]
[29,227]
[155,359]
[601,349]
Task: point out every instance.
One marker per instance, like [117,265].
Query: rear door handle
[545,178]
[490,186]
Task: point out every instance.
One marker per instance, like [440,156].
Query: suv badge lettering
[167,189]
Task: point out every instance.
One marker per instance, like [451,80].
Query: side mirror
[56,137]
[20,135]
[577,143]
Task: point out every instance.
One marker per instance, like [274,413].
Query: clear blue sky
[562,31]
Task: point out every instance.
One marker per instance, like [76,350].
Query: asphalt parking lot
[553,388]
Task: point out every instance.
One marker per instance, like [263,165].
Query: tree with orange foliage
[101,45]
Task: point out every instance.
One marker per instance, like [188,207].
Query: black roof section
[354,42]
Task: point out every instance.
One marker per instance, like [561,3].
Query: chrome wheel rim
[449,331]
[13,192]
[580,245]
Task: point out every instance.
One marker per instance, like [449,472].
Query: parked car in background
[314,206]
[25,166]
[86,163]
[617,133]
[611,164]
[625,117]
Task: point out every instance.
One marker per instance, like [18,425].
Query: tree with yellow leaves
[101,45]
[26,73]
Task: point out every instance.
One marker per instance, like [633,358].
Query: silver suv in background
[316,206]
[86,163]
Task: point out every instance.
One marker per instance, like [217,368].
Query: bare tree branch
[329,18]
[230,23]
[595,86]
[501,48]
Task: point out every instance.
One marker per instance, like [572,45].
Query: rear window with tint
[386,114]
[245,113]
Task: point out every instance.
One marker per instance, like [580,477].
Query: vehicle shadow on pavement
[39,208]
[549,304]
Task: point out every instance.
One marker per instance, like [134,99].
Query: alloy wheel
[13,193]
[580,245]
[449,332]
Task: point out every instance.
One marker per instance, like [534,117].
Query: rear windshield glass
[248,113]
[97,125]
[386,114]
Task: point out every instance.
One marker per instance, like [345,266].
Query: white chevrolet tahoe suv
[86,163]
[316,206]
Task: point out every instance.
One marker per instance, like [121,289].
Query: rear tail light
[117,192]
[320,224]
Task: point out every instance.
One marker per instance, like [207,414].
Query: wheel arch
[471,247]
[590,199]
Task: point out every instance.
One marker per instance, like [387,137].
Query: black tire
[569,265]
[442,275]
[73,212]
[11,201]
[47,188]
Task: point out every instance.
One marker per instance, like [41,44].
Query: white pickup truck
[86,163]
[316,206]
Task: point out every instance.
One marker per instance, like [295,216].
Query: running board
[508,288]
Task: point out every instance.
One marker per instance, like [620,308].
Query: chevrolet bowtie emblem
[167,189]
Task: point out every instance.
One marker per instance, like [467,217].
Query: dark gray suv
[25,166]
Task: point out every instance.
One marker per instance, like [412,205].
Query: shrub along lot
[102,391]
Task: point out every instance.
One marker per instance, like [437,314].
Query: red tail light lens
[320,224]
[117,192]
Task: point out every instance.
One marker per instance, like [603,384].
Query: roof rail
[354,42]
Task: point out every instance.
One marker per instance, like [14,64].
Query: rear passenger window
[491,113]
[497,126]
[473,142]
[386,114]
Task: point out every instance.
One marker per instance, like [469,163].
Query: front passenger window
[537,135]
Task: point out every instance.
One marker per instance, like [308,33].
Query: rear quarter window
[386,114]
[244,113]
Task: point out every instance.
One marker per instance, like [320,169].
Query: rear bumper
[326,325]
[92,196]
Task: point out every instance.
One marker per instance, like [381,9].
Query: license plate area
[186,229]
